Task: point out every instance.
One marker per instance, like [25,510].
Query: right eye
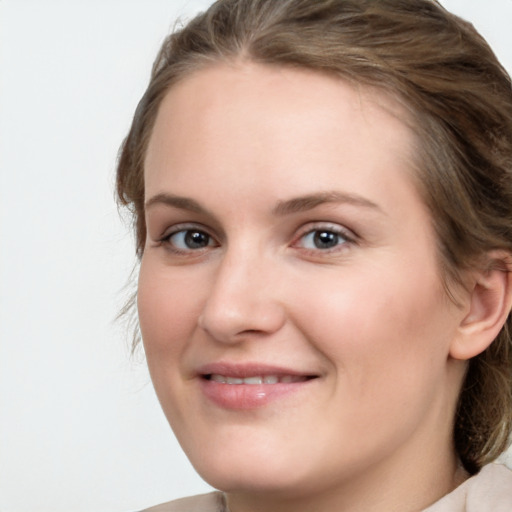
[189,240]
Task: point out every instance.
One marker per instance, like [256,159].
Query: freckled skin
[368,316]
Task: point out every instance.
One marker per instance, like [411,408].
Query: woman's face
[295,324]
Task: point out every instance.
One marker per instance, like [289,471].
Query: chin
[241,472]
[252,481]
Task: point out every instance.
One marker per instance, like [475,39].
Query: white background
[80,428]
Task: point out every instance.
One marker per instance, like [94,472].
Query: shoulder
[211,502]
[488,491]
[491,490]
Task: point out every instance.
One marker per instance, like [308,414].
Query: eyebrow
[183,203]
[308,202]
[294,205]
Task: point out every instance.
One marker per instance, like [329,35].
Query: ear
[488,305]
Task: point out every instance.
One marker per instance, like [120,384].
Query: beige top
[489,491]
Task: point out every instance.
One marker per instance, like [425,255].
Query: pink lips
[249,386]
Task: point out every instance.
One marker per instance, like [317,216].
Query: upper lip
[245,370]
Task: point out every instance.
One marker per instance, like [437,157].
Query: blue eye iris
[322,239]
[189,239]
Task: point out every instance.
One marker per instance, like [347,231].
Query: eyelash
[341,238]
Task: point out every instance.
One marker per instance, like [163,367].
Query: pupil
[196,239]
[325,239]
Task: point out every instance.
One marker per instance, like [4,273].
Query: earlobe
[490,302]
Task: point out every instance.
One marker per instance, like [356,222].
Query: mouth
[258,379]
[250,386]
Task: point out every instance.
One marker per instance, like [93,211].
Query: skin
[368,317]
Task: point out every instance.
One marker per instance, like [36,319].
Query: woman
[322,199]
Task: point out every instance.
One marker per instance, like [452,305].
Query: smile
[250,386]
[257,379]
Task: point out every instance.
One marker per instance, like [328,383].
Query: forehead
[272,120]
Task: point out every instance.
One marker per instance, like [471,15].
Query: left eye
[190,239]
[322,239]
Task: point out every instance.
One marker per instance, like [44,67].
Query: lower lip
[248,396]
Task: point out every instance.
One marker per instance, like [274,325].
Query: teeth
[257,379]
[234,380]
[253,380]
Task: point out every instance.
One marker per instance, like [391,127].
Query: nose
[243,299]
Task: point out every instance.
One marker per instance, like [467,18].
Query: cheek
[387,360]
[168,308]
[378,326]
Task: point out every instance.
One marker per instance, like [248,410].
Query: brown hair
[460,99]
